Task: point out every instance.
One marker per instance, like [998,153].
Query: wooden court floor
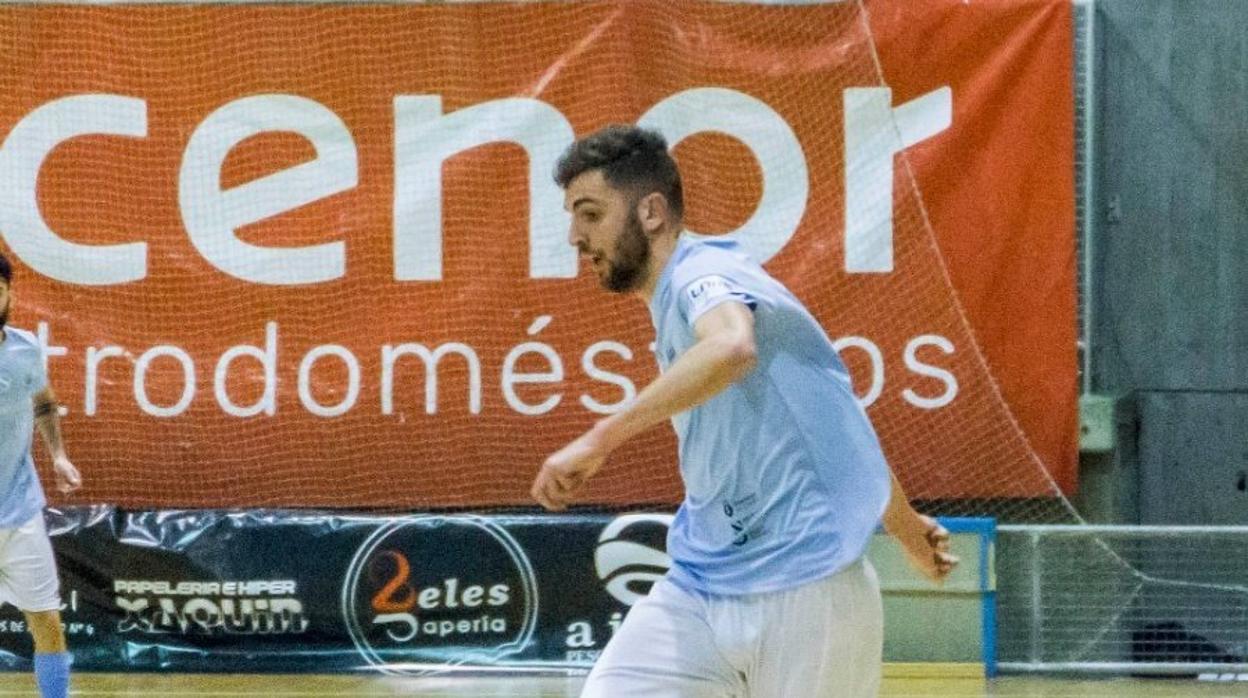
[187,685]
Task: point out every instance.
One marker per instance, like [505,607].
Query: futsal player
[769,594]
[28,578]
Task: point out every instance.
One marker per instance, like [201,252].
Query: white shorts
[819,640]
[28,568]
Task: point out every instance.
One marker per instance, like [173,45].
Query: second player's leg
[52,661]
[45,628]
[30,582]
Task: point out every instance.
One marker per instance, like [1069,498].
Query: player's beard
[627,265]
[4,314]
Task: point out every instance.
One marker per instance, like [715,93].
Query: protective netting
[344,281]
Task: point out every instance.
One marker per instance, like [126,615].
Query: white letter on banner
[593,371]
[391,354]
[94,358]
[874,133]
[211,215]
[21,158]
[877,366]
[553,375]
[786,182]
[424,139]
[268,361]
[913,363]
[188,381]
[305,380]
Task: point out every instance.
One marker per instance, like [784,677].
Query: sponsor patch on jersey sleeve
[706,292]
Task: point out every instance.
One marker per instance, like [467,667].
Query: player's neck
[661,248]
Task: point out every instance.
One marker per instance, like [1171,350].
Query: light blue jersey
[22,376]
[784,478]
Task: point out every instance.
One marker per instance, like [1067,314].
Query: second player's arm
[48,420]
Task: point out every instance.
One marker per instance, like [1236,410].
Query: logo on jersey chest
[740,519]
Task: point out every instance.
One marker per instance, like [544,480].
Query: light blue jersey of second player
[22,376]
[784,478]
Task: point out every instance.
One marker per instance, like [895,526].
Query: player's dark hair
[6,269]
[631,158]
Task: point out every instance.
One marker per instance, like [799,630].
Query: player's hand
[67,477]
[926,544]
[567,470]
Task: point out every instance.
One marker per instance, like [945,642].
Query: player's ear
[652,211]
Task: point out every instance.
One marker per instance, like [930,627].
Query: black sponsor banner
[297,591]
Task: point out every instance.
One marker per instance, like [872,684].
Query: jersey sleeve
[708,291]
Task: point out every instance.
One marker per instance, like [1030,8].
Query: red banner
[313,255]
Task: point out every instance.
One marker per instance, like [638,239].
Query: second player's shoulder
[21,348]
[20,355]
[22,336]
[17,339]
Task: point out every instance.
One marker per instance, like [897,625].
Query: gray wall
[1170,252]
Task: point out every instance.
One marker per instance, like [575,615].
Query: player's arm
[48,420]
[924,540]
[723,354]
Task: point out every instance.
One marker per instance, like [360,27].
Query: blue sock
[52,674]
